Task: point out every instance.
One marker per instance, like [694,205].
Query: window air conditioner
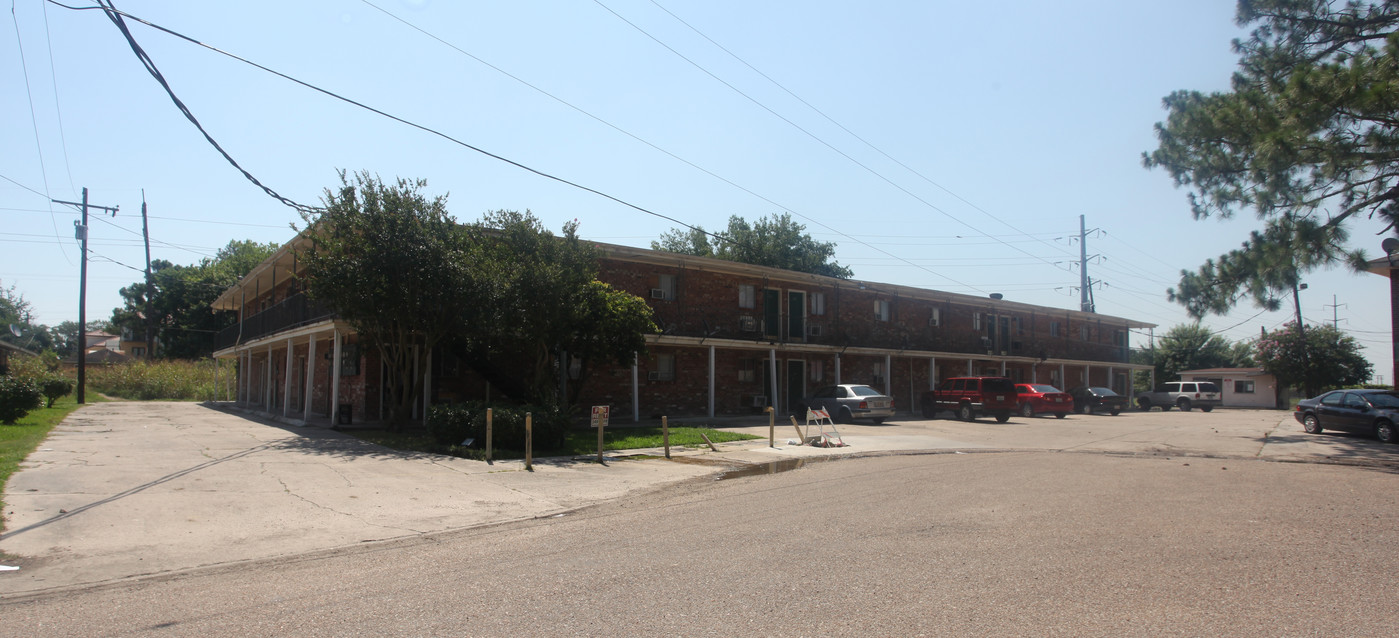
[747,324]
[658,293]
[760,401]
[653,376]
[814,331]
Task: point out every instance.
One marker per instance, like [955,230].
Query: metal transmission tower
[1085,288]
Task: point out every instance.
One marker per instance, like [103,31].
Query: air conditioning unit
[759,401]
[933,322]
[653,376]
[814,331]
[747,324]
[658,293]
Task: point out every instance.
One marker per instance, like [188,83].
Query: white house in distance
[1241,387]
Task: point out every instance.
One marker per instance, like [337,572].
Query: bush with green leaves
[450,425]
[55,388]
[17,398]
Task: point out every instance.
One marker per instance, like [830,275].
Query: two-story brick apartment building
[735,338]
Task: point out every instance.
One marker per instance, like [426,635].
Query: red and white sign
[600,413]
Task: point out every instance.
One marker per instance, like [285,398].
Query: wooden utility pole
[150,285]
[80,230]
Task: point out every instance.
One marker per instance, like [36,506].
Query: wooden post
[772,427]
[529,441]
[600,428]
[488,435]
[665,434]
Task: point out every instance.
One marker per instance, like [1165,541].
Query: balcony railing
[296,310]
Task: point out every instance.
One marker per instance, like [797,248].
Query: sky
[945,145]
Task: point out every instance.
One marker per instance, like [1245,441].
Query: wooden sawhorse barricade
[826,433]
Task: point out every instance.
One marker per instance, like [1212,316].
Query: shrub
[450,425]
[55,388]
[162,380]
[17,397]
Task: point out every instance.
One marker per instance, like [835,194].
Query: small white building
[1241,387]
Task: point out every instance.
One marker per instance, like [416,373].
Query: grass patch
[18,440]
[579,443]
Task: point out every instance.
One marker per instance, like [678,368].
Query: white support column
[1111,378]
[268,401]
[286,385]
[837,368]
[1003,367]
[1062,380]
[427,386]
[335,379]
[888,375]
[310,378]
[772,366]
[971,369]
[635,392]
[1088,375]
[711,381]
[932,373]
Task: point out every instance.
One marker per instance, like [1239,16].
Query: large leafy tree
[546,309]
[393,264]
[180,312]
[1191,347]
[775,241]
[1307,139]
[1323,358]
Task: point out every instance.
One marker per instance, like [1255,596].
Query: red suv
[971,397]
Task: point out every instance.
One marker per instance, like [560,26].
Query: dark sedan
[1363,411]
[1088,400]
[1037,398]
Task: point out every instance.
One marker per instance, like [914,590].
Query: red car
[1036,398]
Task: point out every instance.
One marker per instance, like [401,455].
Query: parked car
[848,402]
[970,397]
[1088,400]
[1182,394]
[1038,398]
[1364,411]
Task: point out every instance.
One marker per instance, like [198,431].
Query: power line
[639,139]
[34,120]
[57,105]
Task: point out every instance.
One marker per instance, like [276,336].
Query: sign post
[600,414]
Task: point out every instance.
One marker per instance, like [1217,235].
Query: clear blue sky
[1004,122]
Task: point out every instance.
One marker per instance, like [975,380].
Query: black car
[1088,400]
[1364,411]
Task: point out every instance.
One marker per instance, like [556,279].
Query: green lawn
[580,442]
[18,440]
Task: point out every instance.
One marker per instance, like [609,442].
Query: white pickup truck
[1182,394]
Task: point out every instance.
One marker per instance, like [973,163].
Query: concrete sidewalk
[125,489]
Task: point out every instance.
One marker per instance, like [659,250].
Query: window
[1119,338]
[818,370]
[1083,332]
[1054,328]
[935,319]
[878,374]
[746,296]
[976,321]
[818,303]
[665,368]
[667,286]
[1243,387]
[881,310]
[748,371]
[1019,326]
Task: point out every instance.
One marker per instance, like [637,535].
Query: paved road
[989,543]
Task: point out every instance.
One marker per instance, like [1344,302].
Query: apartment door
[772,313]
[796,385]
[796,315]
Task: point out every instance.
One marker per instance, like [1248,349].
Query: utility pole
[1084,283]
[1335,318]
[150,286]
[80,231]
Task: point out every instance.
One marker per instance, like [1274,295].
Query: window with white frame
[1243,387]
[976,321]
[667,286]
[665,368]
[818,370]
[746,296]
[881,310]
[818,303]
[1083,332]
[935,319]
[1054,328]
[748,370]
[878,375]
